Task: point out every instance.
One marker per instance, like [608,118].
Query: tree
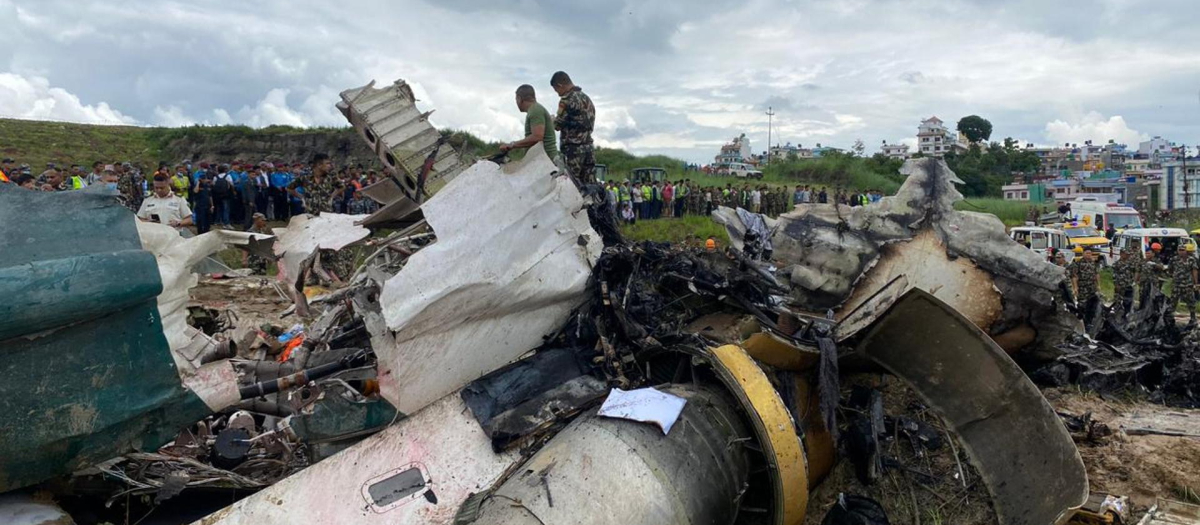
[859,148]
[975,127]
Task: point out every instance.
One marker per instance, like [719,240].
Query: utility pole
[1183,169]
[770,114]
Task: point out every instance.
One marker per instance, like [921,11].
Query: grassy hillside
[36,143]
[39,142]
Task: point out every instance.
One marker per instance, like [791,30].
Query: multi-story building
[735,151]
[934,139]
[1114,156]
[1180,187]
[1154,147]
[788,152]
[895,151]
[1136,166]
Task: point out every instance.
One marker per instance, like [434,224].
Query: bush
[840,171]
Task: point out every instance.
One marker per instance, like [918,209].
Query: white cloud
[33,98]
[272,109]
[1094,127]
[674,76]
[171,116]
[221,117]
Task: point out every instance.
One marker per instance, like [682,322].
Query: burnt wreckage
[524,364]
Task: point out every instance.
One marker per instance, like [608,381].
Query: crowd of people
[214,195]
[222,195]
[1133,275]
[657,199]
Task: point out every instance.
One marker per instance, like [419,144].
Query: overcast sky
[673,77]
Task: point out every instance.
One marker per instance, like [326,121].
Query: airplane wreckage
[520,362]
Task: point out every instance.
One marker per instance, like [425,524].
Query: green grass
[691,229]
[851,173]
[839,171]
[36,143]
[1012,213]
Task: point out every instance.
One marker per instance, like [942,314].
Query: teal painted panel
[335,417]
[85,370]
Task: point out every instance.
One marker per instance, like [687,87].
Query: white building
[736,150]
[895,151]
[1180,186]
[934,139]
[788,152]
[1015,192]
[1156,146]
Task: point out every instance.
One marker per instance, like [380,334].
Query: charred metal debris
[1146,351]
[435,366]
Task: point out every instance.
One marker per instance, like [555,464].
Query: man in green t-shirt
[539,126]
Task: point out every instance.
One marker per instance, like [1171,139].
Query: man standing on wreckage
[575,119]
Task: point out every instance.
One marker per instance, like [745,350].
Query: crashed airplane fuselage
[854,260]
[514,262]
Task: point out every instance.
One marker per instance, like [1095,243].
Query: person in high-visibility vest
[6,167]
[77,181]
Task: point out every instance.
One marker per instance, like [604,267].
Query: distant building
[1180,186]
[934,139]
[821,151]
[895,151]
[1015,192]
[788,152]
[1154,147]
[1137,166]
[735,151]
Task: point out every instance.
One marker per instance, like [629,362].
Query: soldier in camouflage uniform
[131,190]
[1183,281]
[575,119]
[1124,276]
[1085,275]
[318,187]
[1149,275]
[318,190]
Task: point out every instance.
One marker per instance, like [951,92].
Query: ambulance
[1101,214]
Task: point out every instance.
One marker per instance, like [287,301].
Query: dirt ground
[1142,467]
[249,299]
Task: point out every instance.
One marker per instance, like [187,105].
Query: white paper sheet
[644,404]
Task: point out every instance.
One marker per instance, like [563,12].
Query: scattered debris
[855,510]
[1169,512]
[496,366]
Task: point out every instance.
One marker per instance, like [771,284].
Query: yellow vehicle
[1088,237]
